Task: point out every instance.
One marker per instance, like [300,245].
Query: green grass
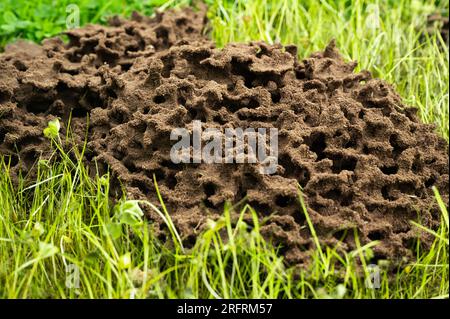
[65,218]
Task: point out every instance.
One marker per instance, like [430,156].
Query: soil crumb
[362,158]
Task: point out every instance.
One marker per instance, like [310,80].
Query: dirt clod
[362,158]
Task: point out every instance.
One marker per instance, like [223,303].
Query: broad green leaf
[52,130]
[47,250]
[129,212]
[114,230]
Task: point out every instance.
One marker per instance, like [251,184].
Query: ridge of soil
[362,158]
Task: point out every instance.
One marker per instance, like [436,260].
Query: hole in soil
[389,170]
[159,99]
[366,150]
[181,101]
[410,243]
[337,196]
[171,181]
[253,104]
[208,204]
[351,143]
[2,136]
[111,93]
[300,74]
[334,194]
[189,241]
[385,193]
[361,114]
[20,66]
[210,189]
[296,144]
[219,119]
[181,22]
[4,97]
[299,217]
[234,106]
[79,112]
[89,155]
[158,173]
[126,66]
[276,96]
[118,155]
[12,159]
[260,208]
[310,120]
[141,185]
[283,201]
[242,69]
[341,235]
[417,165]
[317,144]
[197,115]
[430,181]
[406,188]
[347,200]
[162,237]
[341,163]
[304,247]
[231,87]
[171,165]
[130,166]
[302,174]
[376,235]
[168,66]
[163,34]
[397,146]
[38,105]
[313,84]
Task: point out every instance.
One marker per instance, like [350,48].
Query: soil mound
[363,160]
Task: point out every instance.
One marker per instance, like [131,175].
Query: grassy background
[64,218]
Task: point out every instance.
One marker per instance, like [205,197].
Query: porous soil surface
[361,157]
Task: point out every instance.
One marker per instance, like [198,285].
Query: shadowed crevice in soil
[362,158]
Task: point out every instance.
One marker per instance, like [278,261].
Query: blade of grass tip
[425,229]
[231,236]
[360,251]
[208,286]
[311,228]
[441,204]
[167,218]
[41,182]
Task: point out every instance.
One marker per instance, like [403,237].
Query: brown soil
[363,159]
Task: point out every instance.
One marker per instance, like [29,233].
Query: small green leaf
[125,261]
[47,250]
[114,230]
[52,130]
[129,212]
[37,230]
[9,18]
